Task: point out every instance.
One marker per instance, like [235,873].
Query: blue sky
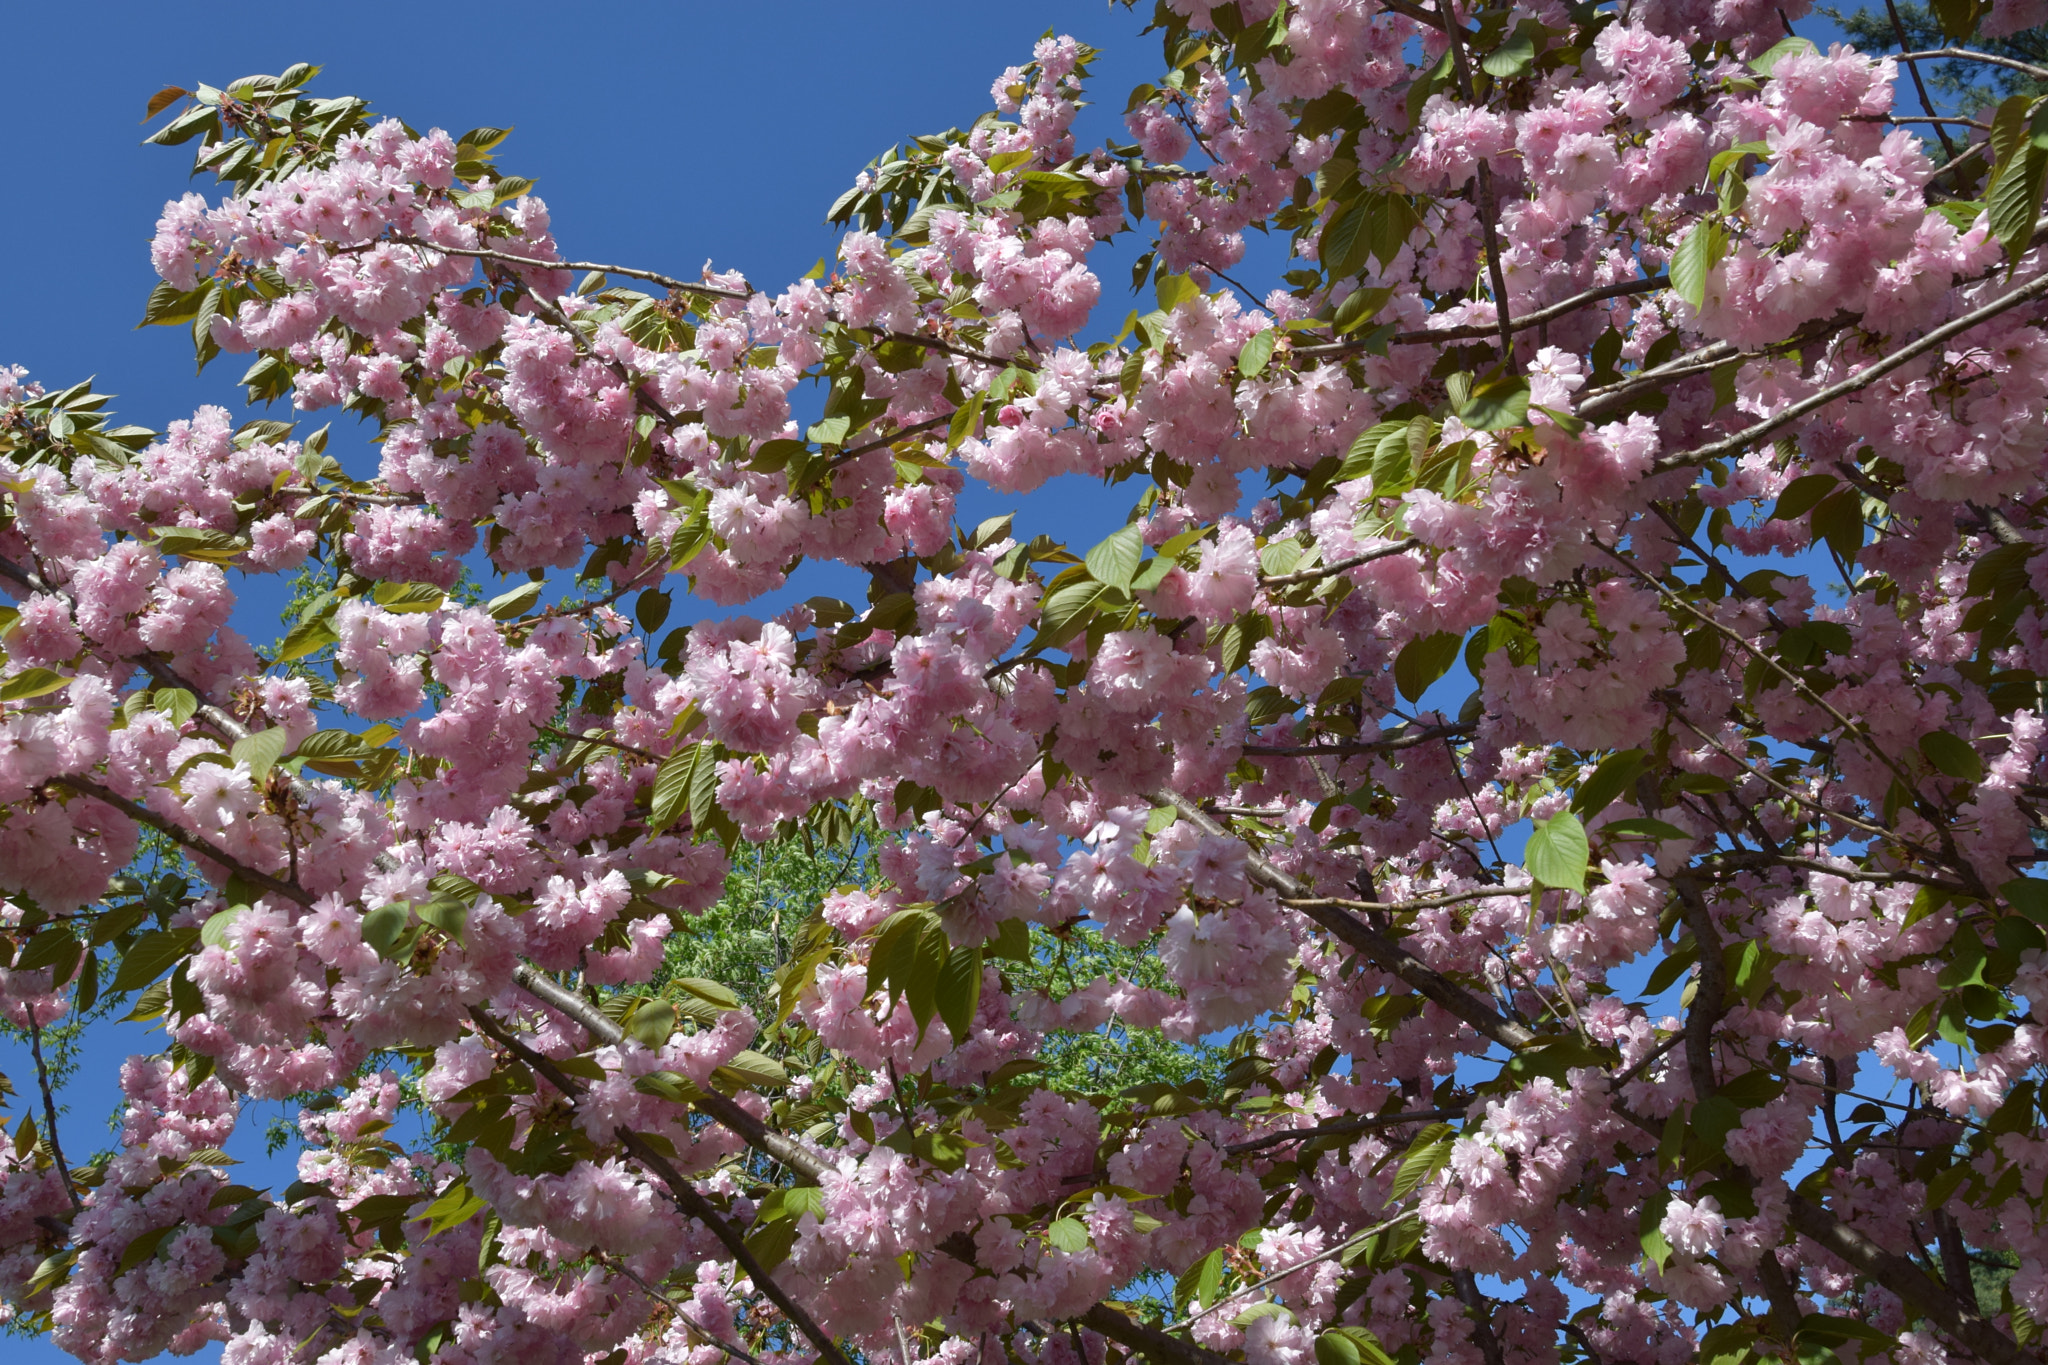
[661,135]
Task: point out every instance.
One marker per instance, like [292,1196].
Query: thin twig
[1470,330]
[1913,67]
[598,739]
[35,1047]
[1324,1255]
[1957,54]
[651,276]
[1862,379]
[1351,748]
[1454,30]
[1341,1127]
[143,815]
[1281,580]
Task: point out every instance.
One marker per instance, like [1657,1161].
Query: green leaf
[1174,290]
[385,930]
[752,1070]
[1422,661]
[1334,1348]
[446,913]
[672,783]
[32,682]
[791,1202]
[1952,756]
[1394,218]
[152,956]
[1557,854]
[1780,50]
[508,605]
[1256,352]
[2014,198]
[1839,522]
[1201,1282]
[1358,461]
[194,542]
[455,1206]
[714,992]
[830,432]
[1642,827]
[482,139]
[770,1243]
[1346,239]
[1695,258]
[1361,307]
[1067,1234]
[1958,18]
[1656,1246]
[175,702]
[1608,781]
[1115,560]
[261,751]
[1834,1331]
[672,1086]
[1429,1153]
[1066,611]
[1802,495]
[1013,941]
[407,598]
[214,932]
[965,419]
[334,746]
[307,637]
[651,609]
[1962,214]
[959,991]
[1499,403]
[1350,1346]
[653,1023]
[1512,58]
[144,1246]
[2029,896]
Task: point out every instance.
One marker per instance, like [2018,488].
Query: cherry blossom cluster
[1566,706]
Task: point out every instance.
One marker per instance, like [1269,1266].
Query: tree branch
[1913,1285]
[35,1047]
[1362,938]
[143,815]
[1325,570]
[652,277]
[1862,379]
[1958,54]
[1469,331]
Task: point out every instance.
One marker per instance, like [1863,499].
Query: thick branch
[1162,1348]
[1913,1285]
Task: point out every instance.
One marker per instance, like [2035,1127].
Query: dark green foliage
[1113,1058]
